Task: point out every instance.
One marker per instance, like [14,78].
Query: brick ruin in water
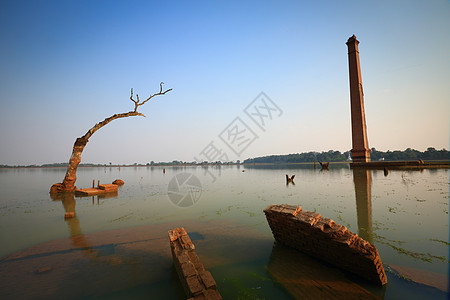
[197,282]
[326,240]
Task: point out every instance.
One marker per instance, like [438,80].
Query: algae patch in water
[426,257]
[440,241]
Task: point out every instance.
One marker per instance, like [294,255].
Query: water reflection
[73,223]
[305,277]
[137,261]
[362,178]
[418,220]
[77,237]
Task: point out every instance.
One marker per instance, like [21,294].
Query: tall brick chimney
[360,150]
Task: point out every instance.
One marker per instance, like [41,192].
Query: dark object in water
[386,171]
[197,282]
[118,182]
[290,180]
[324,165]
[326,240]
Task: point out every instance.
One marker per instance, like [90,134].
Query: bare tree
[68,184]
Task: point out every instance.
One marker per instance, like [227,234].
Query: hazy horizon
[193,161]
[69,65]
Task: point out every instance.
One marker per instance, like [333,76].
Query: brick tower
[360,150]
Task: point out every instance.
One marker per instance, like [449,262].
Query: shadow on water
[305,277]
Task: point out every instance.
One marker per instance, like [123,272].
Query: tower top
[352,39]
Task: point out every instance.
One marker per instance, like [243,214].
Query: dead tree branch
[68,183]
[137,102]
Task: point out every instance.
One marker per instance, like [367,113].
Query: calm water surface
[117,247]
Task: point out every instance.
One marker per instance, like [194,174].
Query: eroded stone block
[197,282]
[207,279]
[322,238]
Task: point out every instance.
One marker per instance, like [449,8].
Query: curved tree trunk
[68,184]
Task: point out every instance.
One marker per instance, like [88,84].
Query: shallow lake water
[117,246]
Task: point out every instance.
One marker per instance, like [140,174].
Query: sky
[66,65]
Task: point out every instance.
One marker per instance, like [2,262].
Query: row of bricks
[323,238]
[197,282]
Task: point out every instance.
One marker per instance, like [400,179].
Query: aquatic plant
[440,241]
[426,257]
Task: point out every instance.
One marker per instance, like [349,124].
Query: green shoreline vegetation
[431,154]
[152,164]
[336,156]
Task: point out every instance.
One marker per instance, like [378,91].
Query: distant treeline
[50,165]
[152,164]
[336,156]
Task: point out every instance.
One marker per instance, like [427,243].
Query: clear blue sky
[66,65]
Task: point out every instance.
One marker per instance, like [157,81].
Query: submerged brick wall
[197,282]
[324,239]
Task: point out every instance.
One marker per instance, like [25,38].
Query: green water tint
[139,255]
[229,229]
